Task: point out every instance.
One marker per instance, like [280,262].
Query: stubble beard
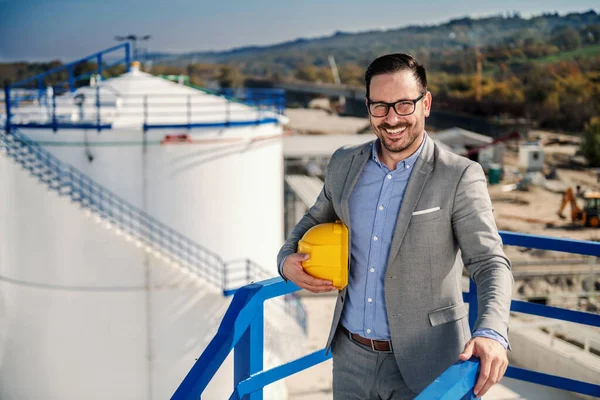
[396,146]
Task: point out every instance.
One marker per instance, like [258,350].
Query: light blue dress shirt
[374,205]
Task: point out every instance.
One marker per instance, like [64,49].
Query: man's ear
[427,103]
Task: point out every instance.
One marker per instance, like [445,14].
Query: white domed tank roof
[139,98]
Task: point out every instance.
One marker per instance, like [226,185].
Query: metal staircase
[134,224]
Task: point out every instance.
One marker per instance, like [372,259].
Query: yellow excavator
[589,215]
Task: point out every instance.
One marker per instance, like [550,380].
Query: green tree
[307,73]
[230,77]
[590,145]
[591,34]
[352,74]
[566,39]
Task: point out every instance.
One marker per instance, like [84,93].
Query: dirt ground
[535,210]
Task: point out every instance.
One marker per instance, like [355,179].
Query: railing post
[227,111]
[54,121]
[472,296]
[127,57]
[98,108]
[71,79]
[99,69]
[145,113]
[41,87]
[248,353]
[7,103]
[189,111]
[258,111]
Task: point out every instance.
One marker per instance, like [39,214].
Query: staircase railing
[35,88]
[134,224]
[39,81]
[241,331]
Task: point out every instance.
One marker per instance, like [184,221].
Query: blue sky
[68,29]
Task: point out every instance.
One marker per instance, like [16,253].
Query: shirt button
[368,331]
[407,166]
[380,208]
[370,300]
[375,238]
[372,270]
[389,176]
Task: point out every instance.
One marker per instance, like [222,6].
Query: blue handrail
[264,106]
[98,57]
[456,382]
[242,324]
[246,312]
[269,104]
[136,224]
[463,375]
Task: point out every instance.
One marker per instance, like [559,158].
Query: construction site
[558,197]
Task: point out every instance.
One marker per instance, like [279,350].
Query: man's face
[399,133]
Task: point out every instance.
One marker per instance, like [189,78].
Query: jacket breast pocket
[447,314]
[426,215]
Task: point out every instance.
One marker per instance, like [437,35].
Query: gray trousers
[359,373]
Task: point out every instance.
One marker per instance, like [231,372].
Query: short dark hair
[391,63]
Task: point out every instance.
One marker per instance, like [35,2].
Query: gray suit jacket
[426,314]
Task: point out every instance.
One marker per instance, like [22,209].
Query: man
[409,207]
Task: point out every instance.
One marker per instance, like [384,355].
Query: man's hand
[292,269]
[493,362]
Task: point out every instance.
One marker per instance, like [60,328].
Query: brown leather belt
[375,345]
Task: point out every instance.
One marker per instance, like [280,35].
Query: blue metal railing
[99,58]
[155,111]
[34,89]
[270,98]
[135,224]
[241,331]
[267,106]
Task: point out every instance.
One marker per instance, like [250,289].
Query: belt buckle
[391,349]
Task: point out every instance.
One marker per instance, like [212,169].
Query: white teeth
[393,132]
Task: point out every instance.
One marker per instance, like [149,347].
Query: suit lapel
[416,183]
[359,159]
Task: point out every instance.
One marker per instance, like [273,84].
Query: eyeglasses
[402,107]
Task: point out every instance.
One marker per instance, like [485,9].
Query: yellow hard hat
[327,245]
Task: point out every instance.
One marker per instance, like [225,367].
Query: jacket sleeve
[322,211]
[481,247]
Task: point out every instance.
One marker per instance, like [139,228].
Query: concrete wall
[532,349]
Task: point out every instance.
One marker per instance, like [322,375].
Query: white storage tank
[88,312]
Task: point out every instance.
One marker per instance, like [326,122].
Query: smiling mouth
[395,132]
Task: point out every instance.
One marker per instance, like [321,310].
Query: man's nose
[392,117]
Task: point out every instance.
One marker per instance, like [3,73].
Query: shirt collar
[408,161]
